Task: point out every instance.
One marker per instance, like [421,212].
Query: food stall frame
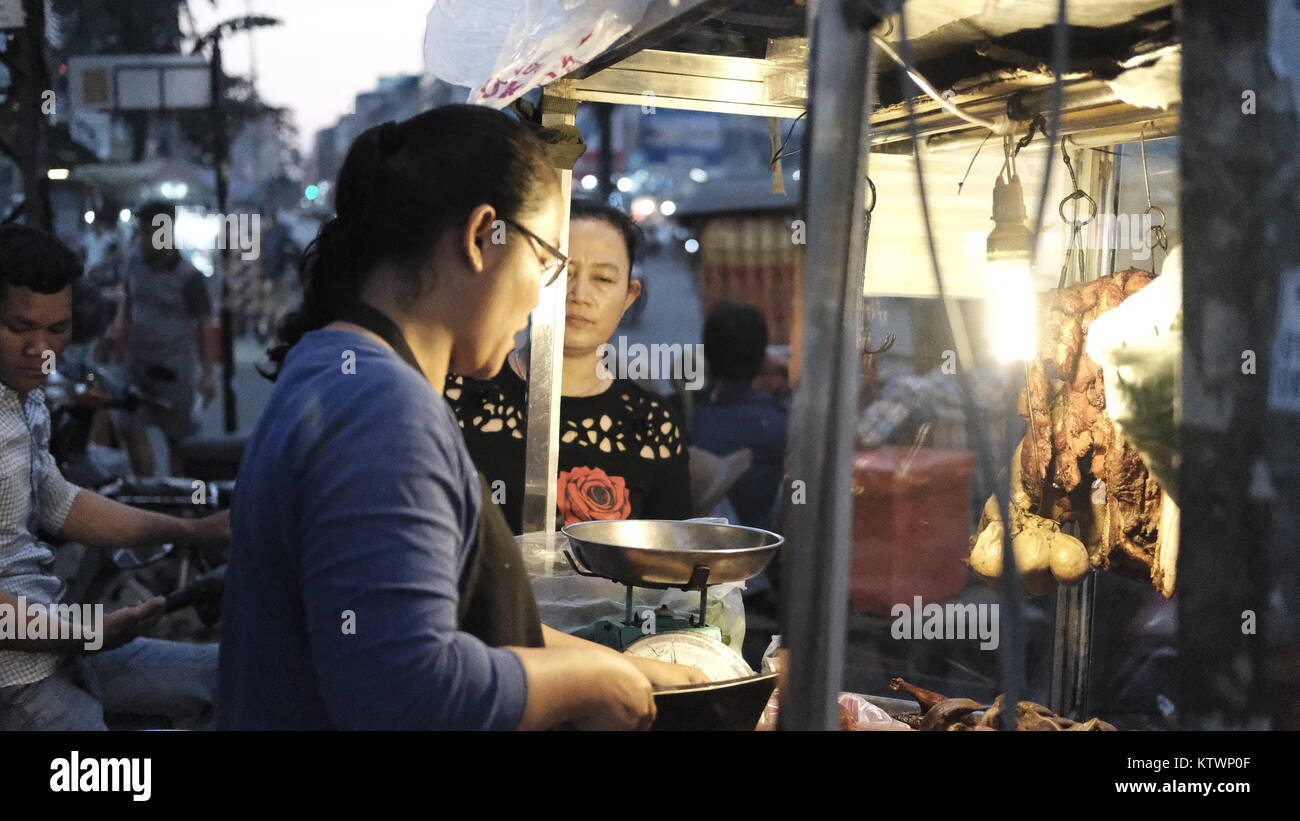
[818,534]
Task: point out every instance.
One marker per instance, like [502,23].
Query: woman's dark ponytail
[328,272]
[400,187]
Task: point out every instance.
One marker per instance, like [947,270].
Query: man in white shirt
[55,683]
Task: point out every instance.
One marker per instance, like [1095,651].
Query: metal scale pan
[665,553]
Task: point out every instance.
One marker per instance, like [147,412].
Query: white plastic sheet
[1139,347]
[502,49]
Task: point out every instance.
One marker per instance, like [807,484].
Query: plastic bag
[772,656]
[856,713]
[570,602]
[501,49]
[1139,346]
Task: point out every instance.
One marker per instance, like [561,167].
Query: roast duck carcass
[1074,465]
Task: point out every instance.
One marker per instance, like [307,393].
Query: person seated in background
[774,374]
[622,454]
[50,682]
[732,414]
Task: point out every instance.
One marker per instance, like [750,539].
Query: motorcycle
[127,575]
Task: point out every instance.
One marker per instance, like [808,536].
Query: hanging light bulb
[1012,304]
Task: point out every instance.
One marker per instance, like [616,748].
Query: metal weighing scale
[663,554]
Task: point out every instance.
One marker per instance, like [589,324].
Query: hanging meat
[1074,466]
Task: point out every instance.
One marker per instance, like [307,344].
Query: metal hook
[1076,194]
[890,339]
[1075,222]
[1142,148]
[1159,236]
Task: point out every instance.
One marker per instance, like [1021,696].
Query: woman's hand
[588,687]
[626,698]
[666,674]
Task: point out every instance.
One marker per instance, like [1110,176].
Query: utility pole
[605,158]
[220,160]
[34,82]
[220,150]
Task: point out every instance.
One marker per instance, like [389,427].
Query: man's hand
[102,522]
[94,398]
[207,387]
[666,674]
[210,535]
[129,623]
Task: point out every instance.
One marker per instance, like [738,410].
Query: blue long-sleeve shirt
[735,417]
[352,524]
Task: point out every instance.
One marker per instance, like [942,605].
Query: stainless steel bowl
[650,552]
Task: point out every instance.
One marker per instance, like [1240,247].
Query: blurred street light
[643,207]
[174,190]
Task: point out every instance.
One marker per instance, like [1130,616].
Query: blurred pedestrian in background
[100,247]
[170,352]
[279,280]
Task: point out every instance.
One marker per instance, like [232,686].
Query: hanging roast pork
[1073,466]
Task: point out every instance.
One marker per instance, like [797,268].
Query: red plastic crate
[911,511]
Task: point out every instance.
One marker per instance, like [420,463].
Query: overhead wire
[1012,658]
[1000,126]
[1060,48]
[780,153]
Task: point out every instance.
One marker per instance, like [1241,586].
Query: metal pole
[605,159]
[545,364]
[1240,544]
[219,160]
[1075,606]
[819,502]
[1072,649]
[35,80]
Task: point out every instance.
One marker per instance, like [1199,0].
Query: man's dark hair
[633,238]
[34,259]
[735,341]
[152,209]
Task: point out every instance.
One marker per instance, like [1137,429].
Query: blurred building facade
[663,154]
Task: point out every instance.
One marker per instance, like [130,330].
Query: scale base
[619,636]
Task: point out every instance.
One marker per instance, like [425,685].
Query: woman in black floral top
[621,451]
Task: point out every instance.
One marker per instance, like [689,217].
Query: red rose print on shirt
[585,494]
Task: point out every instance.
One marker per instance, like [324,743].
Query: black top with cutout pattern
[622,455]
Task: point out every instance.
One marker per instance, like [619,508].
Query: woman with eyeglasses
[621,451]
[366,588]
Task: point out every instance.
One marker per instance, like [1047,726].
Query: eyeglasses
[551,270]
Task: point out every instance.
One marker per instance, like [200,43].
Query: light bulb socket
[1010,238]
